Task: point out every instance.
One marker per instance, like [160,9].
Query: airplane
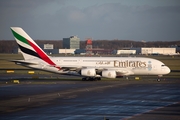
[89,68]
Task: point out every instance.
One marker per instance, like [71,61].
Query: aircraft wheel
[90,78]
[158,79]
[83,79]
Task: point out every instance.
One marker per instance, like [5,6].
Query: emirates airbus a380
[90,68]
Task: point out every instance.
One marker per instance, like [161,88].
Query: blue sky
[149,20]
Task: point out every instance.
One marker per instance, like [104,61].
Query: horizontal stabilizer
[24,62]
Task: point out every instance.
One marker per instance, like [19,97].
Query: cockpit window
[163,65]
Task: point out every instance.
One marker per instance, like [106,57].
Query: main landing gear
[91,78]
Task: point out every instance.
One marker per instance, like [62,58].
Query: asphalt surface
[93,100]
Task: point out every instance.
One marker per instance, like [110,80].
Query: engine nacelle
[91,72]
[109,74]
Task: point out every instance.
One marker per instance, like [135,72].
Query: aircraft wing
[119,72]
[122,72]
[67,67]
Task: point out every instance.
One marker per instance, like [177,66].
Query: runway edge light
[15,81]
[31,72]
[10,71]
[136,78]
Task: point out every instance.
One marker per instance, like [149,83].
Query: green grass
[5,61]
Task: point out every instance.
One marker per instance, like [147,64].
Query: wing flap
[122,72]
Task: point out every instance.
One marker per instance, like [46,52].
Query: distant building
[129,52]
[67,51]
[177,48]
[138,49]
[80,51]
[48,46]
[164,51]
[71,43]
[49,49]
[17,50]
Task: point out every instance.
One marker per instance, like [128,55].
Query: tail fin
[29,48]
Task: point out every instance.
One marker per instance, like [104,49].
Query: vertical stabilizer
[29,49]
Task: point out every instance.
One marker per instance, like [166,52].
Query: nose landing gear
[158,79]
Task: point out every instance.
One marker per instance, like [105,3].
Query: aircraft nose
[165,70]
[168,70]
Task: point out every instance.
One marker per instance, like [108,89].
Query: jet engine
[91,72]
[109,74]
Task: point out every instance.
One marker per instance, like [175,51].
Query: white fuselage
[121,65]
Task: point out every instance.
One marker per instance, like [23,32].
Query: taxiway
[93,100]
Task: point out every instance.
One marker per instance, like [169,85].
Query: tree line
[9,46]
